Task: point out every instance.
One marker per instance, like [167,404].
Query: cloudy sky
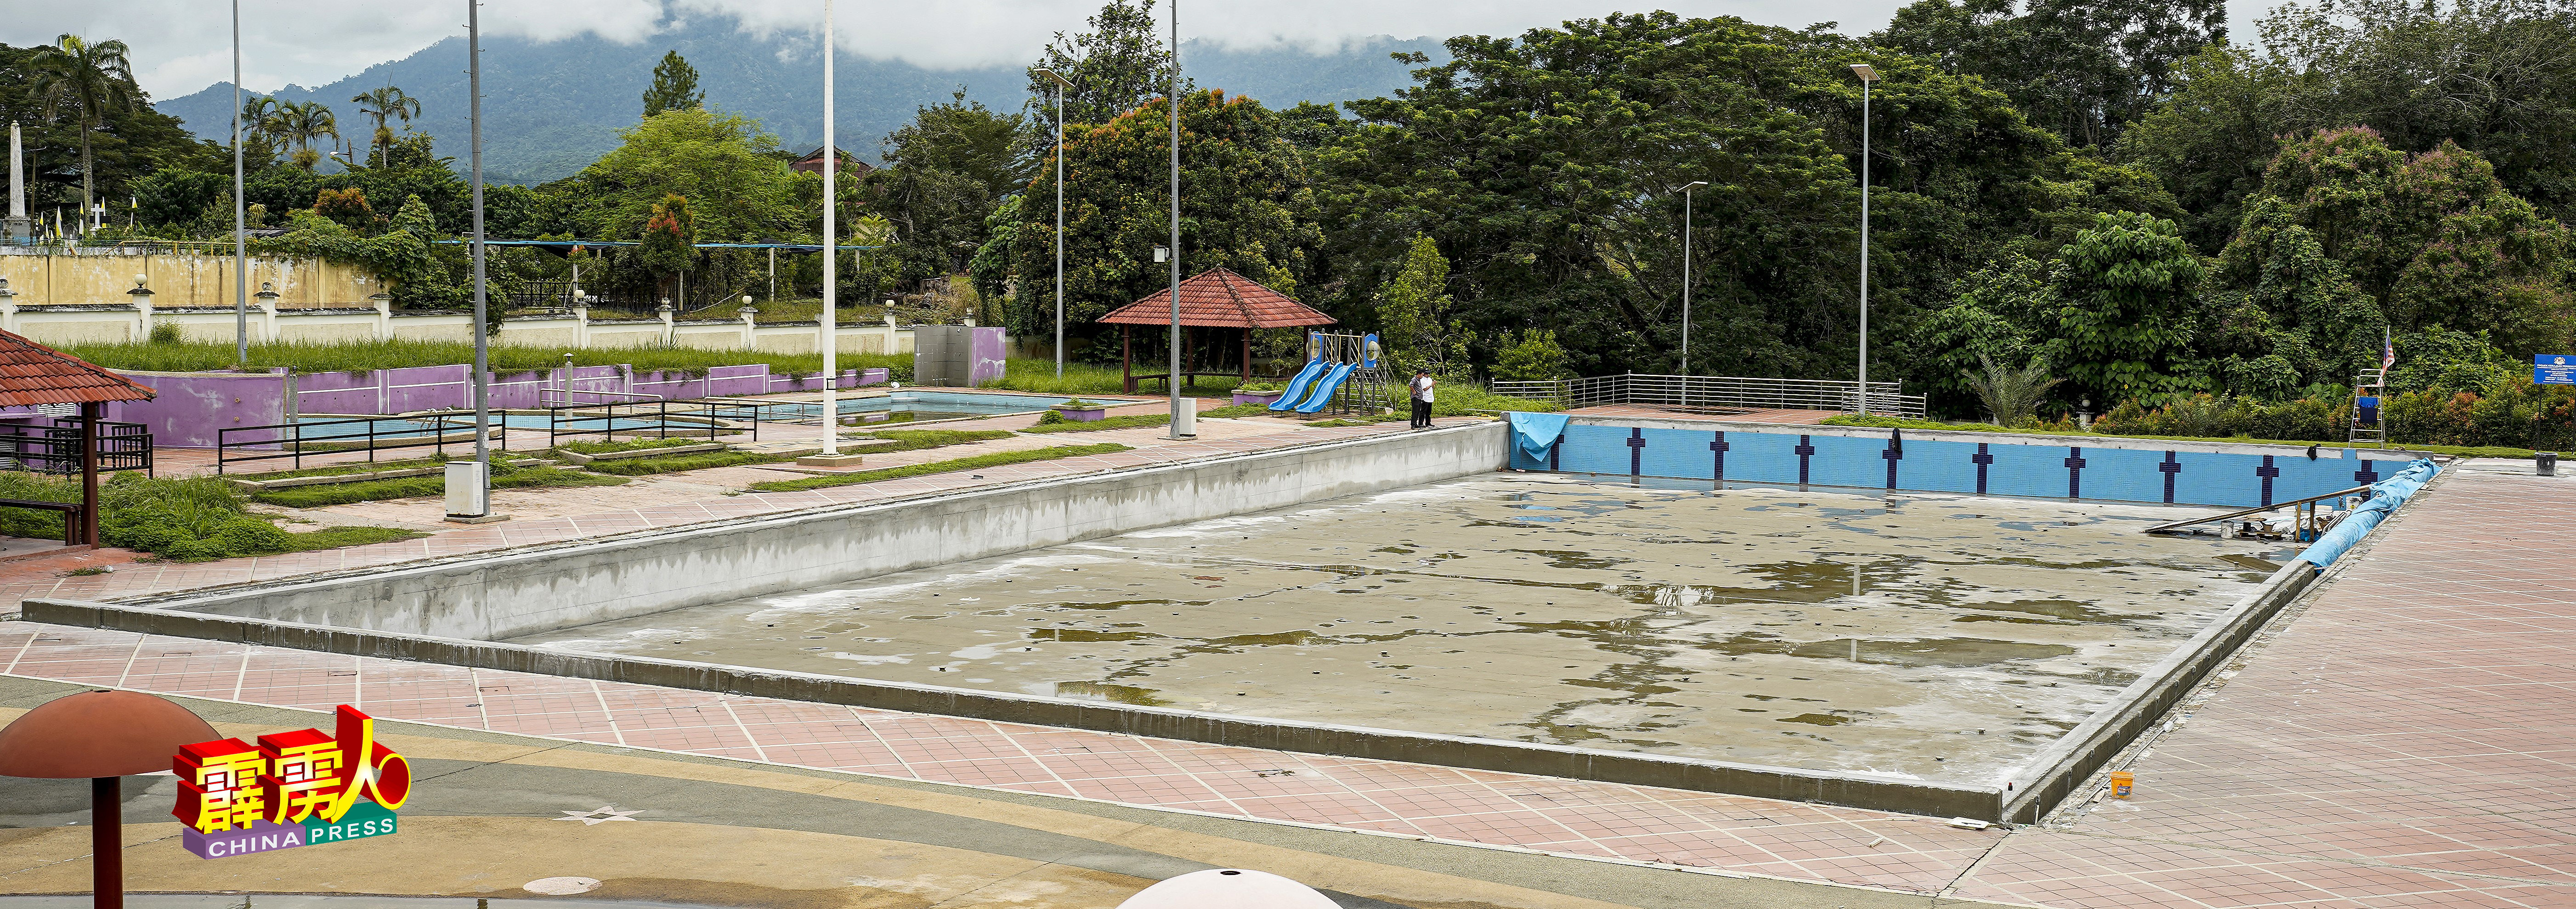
[183,45]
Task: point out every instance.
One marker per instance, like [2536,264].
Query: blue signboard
[2553,369]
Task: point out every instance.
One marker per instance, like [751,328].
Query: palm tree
[387,103]
[91,79]
[2011,395]
[258,113]
[301,122]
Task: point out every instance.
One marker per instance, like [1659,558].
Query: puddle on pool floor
[1933,636]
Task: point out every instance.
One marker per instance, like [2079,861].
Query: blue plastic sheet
[1534,433]
[2385,496]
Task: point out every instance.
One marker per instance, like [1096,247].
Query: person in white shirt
[1421,399]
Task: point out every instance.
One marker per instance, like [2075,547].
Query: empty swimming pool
[1910,635]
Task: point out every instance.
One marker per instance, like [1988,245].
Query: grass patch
[503,477]
[592,448]
[701,460]
[1462,400]
[336,470]
[1128,422]
[996,459]
[1875,421]
[338,537]
[918,439]
[370,355]
[1239,410]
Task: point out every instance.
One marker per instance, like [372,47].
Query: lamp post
[831,416]
[1182,425]
[1867,75]
[1686,280]
[1060,86]
[241,245]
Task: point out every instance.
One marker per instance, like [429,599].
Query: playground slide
[1297,386]
[1324,389]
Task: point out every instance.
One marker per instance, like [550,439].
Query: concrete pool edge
[1858,790]
[586,581]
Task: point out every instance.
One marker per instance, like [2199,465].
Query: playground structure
[1346,373]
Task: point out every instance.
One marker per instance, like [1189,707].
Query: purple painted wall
[991,350]
[191,407]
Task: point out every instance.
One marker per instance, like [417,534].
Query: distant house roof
[1219,298]
[812,162]
[32,374]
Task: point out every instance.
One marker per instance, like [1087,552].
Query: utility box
[468,490]
[958,356]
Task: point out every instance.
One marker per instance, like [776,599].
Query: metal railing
[648,419]
[292,441]
[1718,394]
[56,448]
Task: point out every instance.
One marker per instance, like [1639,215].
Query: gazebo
[33,375]
[1216,298]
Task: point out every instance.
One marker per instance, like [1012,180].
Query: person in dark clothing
[1421,388]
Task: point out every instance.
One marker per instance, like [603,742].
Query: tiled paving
[2409,739]
[2405,737]
[1781,839]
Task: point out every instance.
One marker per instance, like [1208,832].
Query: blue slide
[1324,389]
[1297,386]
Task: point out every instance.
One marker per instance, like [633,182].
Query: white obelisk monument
[18,227]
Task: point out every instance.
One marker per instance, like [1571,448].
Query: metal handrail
[2171,526]
[291,445]
[1720,394]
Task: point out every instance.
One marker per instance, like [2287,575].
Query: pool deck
[2402,737]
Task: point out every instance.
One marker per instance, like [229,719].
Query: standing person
[1421,399]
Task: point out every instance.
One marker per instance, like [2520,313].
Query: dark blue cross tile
[2171,467]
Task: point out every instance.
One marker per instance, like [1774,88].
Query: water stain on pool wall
[1921,635]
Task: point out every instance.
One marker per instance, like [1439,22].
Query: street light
[1183,426]
[831,320]
[1060,87]
[1867,75]
[1686,281]
[241,247]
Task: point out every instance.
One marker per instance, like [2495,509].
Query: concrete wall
[101,277]
[2117,470]
[545,588]
[275,319]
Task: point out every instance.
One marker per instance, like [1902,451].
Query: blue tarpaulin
[2385,496]
[1534,433]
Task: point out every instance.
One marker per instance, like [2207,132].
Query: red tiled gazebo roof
[1219,298]
[32,374]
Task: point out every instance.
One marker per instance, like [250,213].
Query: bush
[1535,357]
[1050,417]
[2515,413]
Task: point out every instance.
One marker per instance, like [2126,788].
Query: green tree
[88,80]
[2011,394]
[300,123]
[1533,357]
[669,240]
[1119,64]
[2348,236]
[1246,204]
[946,174]
[2127,287]
[385,105]
[737,185]
[2211,143]
[1414,322]
[675,86]
[62,149]
[2082,68]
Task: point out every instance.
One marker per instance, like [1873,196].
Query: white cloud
[183,45]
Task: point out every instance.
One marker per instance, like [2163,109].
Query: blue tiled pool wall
[1907,463]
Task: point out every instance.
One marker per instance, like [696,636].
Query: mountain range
[552,107]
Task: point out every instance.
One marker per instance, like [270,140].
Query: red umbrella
[103,736]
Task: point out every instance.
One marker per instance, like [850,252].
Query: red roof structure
[1219,298]
[32,374]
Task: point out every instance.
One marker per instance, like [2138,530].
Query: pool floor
[1915,635]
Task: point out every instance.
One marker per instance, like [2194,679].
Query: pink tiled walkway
[2409,740]
[1783,839]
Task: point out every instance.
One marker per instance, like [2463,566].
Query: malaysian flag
[2387,350]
